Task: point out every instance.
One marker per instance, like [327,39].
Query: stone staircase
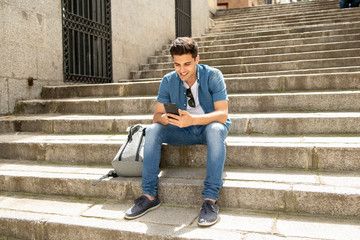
[293,154]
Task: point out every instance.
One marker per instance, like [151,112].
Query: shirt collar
[198,73]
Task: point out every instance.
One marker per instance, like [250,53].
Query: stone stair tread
[319,5]
[41,137]
[233,57]
[74,117]
[277,190]
[278,15]
[281,25]
[105,218]
[55,91]
[332,182]
[323,81]
[273,35]
[250,47]
[85,85]
[255,151]
[273,123]
[304,29]
[328,13]
[64,117]
[298,53]
[148,117]
[115,98]
[296,72]
[276,67]
[345,140]
[282,18]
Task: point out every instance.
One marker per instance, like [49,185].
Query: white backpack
[128,161]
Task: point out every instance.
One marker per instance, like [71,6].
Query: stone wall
[142,26]
[139,27]
[201,13]
[30,47]
[31,41]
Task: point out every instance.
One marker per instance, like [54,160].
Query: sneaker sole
[209,224]
[137,216]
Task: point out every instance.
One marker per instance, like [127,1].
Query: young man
[199,92]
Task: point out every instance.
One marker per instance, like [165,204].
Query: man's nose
[182,68]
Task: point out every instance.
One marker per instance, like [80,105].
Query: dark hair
[184,45]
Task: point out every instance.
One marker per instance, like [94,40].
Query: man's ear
[197,59]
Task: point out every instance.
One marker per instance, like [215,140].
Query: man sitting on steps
[199,92]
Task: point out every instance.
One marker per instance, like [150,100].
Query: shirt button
[184,104]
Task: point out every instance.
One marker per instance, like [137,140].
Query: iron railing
[87,41]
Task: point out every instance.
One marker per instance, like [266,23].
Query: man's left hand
[184,120]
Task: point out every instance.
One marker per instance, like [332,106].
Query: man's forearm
[216,116]
[159,118]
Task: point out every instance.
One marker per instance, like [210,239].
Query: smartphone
[171,108]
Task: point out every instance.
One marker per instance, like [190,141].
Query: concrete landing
[50,217]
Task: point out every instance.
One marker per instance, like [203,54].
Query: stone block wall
[138,29]
[31,41]
[201,13]
[142,26]
[30,47]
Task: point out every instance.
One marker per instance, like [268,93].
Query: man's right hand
[164,120]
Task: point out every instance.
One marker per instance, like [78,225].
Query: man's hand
[164,120]
[184,120]
[160,115]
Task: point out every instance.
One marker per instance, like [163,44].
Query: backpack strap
[129,139]
[111,173]
[141,140]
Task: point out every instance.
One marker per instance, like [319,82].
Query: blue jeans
[213,135]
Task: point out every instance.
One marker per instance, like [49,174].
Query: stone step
[293,30]
[295,45]
[283,23]
[46,217]
[305,82]
[297,72]
[282,16]
[266,55]
[137,88]
[261,17]
[276,9]
[324,153]
[275,123]
[312,37]
[270,190]
[271,102]
[310,65]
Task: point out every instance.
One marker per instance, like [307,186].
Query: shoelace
[139,201]
[207,206]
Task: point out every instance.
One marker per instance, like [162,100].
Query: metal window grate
[87,41]
[183,18]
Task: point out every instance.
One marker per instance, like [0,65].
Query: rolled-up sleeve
[218,87]
[164,94]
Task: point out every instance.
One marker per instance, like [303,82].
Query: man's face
[185,66]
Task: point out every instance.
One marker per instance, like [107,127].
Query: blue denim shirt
[212,88]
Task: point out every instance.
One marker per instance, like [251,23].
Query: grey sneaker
[209,214]
[142,205]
